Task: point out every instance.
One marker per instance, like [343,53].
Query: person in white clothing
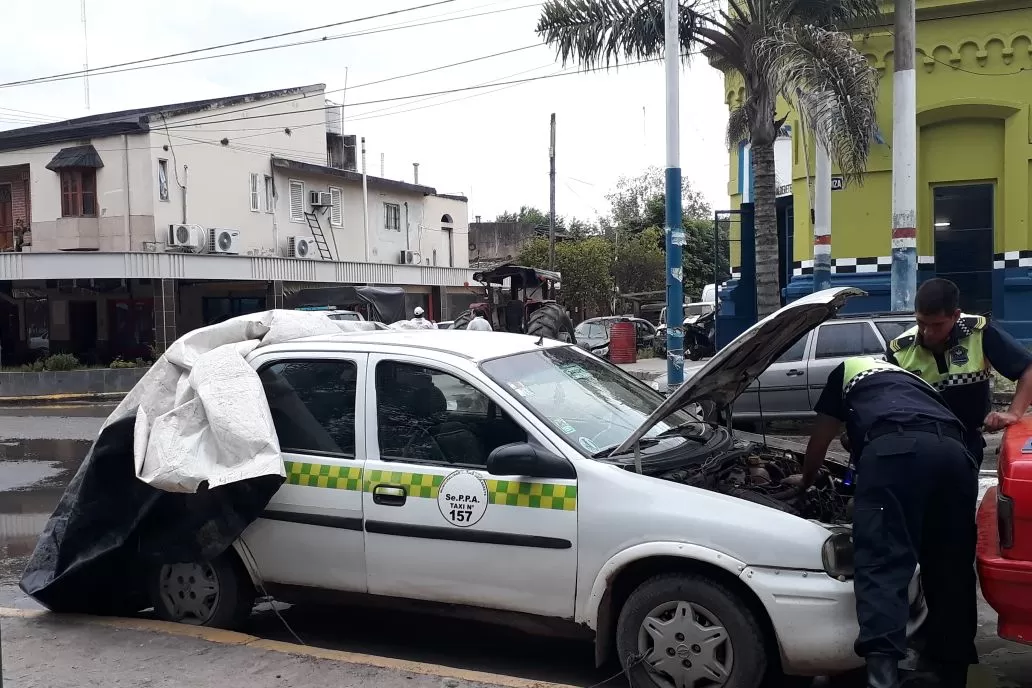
[479,322]
[420,322]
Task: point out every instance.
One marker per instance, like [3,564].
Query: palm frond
[602,32]
[837,14]
[832,86]
[738,129]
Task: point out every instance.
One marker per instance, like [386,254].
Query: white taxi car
[518,474]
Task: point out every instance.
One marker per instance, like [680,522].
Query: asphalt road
[40,449]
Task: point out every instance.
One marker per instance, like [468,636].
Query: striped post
[904,160]
[822,221]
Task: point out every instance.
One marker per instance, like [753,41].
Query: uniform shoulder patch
[973,323]
[904,341]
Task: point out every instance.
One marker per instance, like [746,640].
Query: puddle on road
[33,475]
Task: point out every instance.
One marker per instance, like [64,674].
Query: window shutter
[297,200]
[336,209]
[255,198]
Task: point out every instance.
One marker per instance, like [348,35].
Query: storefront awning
[76,156]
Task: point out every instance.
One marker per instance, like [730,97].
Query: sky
[489,144]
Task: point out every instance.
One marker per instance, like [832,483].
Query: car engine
[755,472]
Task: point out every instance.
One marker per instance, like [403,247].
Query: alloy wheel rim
[189,592]
[685,645]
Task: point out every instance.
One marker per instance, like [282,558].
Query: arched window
[446,220]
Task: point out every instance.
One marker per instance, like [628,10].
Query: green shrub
[119,363]
[37,365]
[61,362]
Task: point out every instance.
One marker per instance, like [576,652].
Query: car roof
[475,346]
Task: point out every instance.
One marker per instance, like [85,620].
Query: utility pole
[674,221]
[551,196]
[904,159]
[822,221]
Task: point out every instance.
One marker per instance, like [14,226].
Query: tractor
[530,307]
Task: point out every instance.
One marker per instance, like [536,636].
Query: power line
[415,95]
[324,39]
[78,73]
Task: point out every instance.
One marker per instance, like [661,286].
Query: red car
[1005,536]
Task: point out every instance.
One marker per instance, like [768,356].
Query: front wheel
[688,631]
[216,593]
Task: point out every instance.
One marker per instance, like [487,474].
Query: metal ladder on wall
[320,238]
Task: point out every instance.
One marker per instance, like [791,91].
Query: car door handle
[389,495]
[795,373]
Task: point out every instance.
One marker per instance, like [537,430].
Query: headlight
[604,351]
[837,554]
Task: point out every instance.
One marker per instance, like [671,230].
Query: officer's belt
[934,428]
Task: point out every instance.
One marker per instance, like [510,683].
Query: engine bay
[755,473]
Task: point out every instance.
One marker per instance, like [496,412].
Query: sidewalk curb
[223,637]
[95,397]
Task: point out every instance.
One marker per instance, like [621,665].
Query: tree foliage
[786,48]
[585,266]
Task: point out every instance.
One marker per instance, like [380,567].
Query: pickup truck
[789,388]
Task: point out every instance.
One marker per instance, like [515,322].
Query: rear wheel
[688,631]
[550,321]
[462,320]
[216,593]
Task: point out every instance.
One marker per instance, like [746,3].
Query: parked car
[692,312]
[593,334]
[1005,536]
[520,475]
[789,388]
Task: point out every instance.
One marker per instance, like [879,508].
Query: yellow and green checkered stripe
[533,495]
[323,475]
[517,493]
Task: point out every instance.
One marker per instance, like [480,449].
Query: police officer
[914,503]
[953,352]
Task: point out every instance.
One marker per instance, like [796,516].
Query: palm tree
[786,48]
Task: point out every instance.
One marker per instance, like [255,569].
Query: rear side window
[847,339]
[313,405]
[890,329]
[795,353]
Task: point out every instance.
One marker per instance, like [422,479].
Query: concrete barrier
[70,383]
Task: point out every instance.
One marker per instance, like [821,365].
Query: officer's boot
[882,671]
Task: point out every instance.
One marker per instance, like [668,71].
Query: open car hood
[734,368]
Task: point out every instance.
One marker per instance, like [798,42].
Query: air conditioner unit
[190,238]
[302,247]
[410,258]
[320,199]
[224,241]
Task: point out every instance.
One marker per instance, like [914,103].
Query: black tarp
[110,528]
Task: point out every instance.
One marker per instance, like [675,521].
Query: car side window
[890,329]
[795,353]
[841,340]
[871,344]
[427,415]
[313,405]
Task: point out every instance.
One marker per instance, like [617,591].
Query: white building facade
[120,232]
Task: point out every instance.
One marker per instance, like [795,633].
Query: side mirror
[521,458]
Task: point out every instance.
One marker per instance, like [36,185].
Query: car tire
[462,320]
[550,321]
[218,593]
[650,616]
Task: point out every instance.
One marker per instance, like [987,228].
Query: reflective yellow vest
[966,361]
[857,369]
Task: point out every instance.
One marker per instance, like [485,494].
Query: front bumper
[814,618]
[1006,583]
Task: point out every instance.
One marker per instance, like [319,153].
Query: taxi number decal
[463,498]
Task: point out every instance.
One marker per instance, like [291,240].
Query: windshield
[345,315]
[593,404]
[698,309]
[592,330]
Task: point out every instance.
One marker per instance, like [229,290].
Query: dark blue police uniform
[961,372]
[914,503]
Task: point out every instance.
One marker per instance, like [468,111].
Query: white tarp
[201,412]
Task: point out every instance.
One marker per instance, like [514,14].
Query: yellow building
[974,89]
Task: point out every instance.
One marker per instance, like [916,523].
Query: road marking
[222,637]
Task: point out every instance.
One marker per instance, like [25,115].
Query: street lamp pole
[674,225]
[904,159]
